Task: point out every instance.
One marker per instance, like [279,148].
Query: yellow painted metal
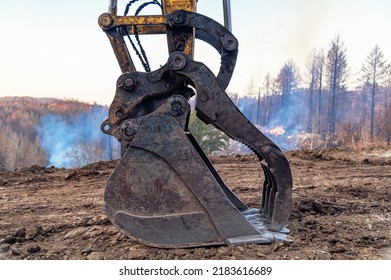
[150,29]
[149,24]
[139,20]
[170,6]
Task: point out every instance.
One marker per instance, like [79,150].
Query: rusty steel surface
[164,191]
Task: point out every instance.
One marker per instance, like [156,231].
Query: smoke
[286,123]
[75,140]
[289,118]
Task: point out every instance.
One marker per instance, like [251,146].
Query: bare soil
[341,210]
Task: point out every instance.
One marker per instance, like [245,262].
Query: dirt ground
[341,210]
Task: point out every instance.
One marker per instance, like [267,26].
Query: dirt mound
[341,210]
[374,155]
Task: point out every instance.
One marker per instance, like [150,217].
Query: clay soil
[341,210]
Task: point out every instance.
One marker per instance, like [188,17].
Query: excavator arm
[164,191]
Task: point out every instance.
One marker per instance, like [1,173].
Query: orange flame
[277,131]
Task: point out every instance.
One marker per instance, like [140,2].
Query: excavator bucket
[165,192]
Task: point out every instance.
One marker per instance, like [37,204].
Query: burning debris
[276,131]
[282,137]
[306,141]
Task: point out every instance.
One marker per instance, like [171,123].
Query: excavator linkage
[165,192]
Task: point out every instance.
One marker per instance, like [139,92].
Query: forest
[310,109]
[315,108]
[51,132]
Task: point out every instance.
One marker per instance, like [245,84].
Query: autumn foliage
[25,131]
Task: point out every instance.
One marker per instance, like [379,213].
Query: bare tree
[267,91]
[259,107]
[312,73]
[387,111]
[374,72]
[320,60]
[336,67]
[288,80]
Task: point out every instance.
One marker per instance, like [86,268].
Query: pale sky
[56,48]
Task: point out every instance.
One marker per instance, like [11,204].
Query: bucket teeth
[266,235]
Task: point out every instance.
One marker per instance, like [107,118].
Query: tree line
[319,101]
[49,131]
[316,102]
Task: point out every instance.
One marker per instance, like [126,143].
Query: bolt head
[178,61]
[119,114]
[179,17]
[105,20]
[178,105]
[180,47]
[129,131]
[229,42]
[204,97]
[129,82]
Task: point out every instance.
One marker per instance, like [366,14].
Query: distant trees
[321,102]
[18,137]
[2,164]
[288,79]
[320,61]
[387,106]
[336,74]
[267,89]
[319,106]
[25,141]
[314,82]
[374,72]
[74,140]
[83,153]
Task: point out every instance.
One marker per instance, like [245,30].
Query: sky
[56,48]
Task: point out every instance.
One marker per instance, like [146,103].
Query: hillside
[40,131]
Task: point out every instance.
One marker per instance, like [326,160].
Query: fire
[276,131]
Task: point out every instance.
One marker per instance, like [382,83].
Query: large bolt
[129,131]
[178,61]
[178,105]
[129,82]
[229,42]
[105,20]
[178,17]
[119,114]
[180,46]
[204,97]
